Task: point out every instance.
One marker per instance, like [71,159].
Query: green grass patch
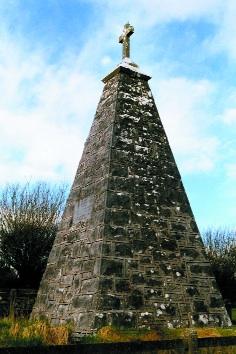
[112,334]
[227,332]
[201,332]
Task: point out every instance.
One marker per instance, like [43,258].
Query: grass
[23,332]
[201,332]
[234,314]
[112,334]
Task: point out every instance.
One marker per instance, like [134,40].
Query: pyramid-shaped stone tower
[128,252]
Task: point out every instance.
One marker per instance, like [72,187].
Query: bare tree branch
[221,250]
[29,216]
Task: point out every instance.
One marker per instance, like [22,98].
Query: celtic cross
[124,39]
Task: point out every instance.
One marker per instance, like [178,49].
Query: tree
[221,251]
[29,216]
[8,277]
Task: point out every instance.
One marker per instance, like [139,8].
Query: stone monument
[128,251]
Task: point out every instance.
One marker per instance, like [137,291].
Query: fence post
[12,302]
[192,342]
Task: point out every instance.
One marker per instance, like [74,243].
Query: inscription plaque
[83,209]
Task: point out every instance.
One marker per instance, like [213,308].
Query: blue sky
[54,53]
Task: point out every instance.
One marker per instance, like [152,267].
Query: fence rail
[16,301]
[177,346]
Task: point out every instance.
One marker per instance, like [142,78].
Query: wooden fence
[192,345]
[16,301]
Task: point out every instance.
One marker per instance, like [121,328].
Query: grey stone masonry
[128,252]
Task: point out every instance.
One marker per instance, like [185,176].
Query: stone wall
[17,301]
[128,252]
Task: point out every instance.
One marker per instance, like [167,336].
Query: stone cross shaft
[124,39]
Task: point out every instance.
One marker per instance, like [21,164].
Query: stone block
[200,306]
[123,250]
[82,301]
[123,320]
[216,301]
[135,300]
[118,200]
[138,278]
[88,265]
[110,302]
[122,285]
[105,284]
[89,286]
[117,217]
[115,232]
[111,267]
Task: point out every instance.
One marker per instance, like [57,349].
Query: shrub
[29,216]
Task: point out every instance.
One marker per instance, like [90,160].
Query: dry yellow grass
[207,332]
[110,334]
[57,335]
[150,336]
[14,330]
[22,331]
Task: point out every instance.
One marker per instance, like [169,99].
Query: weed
[22,332]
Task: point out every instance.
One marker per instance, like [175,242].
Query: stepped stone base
[128,252]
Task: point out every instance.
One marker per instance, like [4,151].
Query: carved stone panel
[83,209]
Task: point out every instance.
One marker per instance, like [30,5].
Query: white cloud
[106,60]
[231,171]
[181,105]
[43,108]
[173,10]
[225,38]
[154,11]
[145,15]
[229,116]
